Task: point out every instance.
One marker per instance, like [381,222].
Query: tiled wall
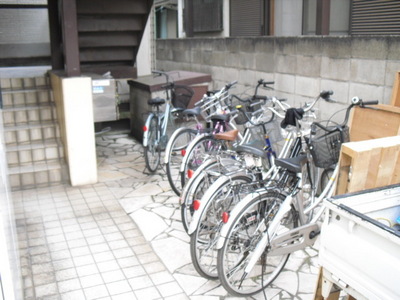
[9,258]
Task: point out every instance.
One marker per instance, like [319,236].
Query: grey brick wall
[300,66]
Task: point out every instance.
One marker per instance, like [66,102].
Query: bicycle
[229,163]
[267,225]
[205,146]
[227,191]
[212,108]
[155,130]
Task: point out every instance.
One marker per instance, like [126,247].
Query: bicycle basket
[213,105]
[241,118]
[325,146]
[181,96]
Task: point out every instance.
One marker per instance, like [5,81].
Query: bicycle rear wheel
[220,198]
[205,147]
[175,152]
[245,231]
[152,152]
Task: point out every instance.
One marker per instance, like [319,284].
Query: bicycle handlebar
[355,102]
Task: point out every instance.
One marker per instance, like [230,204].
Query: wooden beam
[57,60]
[70,35]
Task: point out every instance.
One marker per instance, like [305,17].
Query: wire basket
[325,146]
[213,105]
[181,96]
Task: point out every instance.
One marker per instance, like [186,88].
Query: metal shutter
[207,15]
[246,17]
[380,17]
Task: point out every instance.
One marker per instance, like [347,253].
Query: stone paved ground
[122,238]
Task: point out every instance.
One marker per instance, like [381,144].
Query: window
[339,17]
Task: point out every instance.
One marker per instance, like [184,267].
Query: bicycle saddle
[252,149]
[220,117]
[292,164]
[227,136]
[192,111]
[156,101]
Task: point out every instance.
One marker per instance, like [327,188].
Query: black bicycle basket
[181,96]
[246,109]
[325,145]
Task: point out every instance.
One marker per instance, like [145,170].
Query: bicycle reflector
[183,152]
[145,128]
[225,217]
[190,173]
[196,204]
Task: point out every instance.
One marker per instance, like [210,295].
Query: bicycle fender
[146,133]
[207,198]
[188,150]
[197,177]
[235,211]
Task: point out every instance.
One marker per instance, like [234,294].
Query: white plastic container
[358,245]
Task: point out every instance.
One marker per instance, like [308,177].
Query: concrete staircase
[34,151]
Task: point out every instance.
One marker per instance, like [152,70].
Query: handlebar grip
[326,94]
[269,82]
[229,85]
[370,102]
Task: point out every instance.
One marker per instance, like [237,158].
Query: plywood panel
[376,122]
[369,164]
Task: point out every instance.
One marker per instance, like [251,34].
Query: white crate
[357,245]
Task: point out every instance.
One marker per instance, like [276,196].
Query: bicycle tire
[152,152]
[174,155]
[194,189]
[204,147]
[219,198]
[244,232]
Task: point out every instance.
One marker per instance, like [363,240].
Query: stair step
[26,97]
[33,132]
[29,114]
[38,175]
[31,152]
[24,83]
[35,154]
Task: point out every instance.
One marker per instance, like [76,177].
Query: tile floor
[122,238]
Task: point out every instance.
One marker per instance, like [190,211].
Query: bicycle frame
[164,117]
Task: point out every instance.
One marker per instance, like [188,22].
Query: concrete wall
[300,66]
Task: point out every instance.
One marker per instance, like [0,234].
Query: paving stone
[149,223]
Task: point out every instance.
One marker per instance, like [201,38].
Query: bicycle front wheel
[245,231]
[174,154]
[152,152]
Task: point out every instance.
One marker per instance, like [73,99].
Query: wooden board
[372,123]
[395,101]
[369,164]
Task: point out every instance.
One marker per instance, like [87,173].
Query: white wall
[10,276]
[145,56]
